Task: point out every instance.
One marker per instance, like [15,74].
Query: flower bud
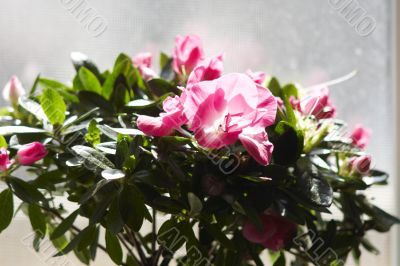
[31,153]
[360,136]
[361,164]
[5,162]
[13,90]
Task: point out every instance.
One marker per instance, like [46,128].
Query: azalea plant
[189,166]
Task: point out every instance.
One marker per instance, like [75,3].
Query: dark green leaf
[132,208]
[25,191]
[64,226]
[6,208]
[37,219]
[113,247]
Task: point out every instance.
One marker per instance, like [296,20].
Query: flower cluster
[248,162]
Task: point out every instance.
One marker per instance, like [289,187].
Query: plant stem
[135,243]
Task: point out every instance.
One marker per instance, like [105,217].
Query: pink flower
[275,234]
[13,90]
[169,120]
[187,53]
[5,162]
[258,77]
[220,112]
[232,107]
[361,164]
[31,153]
[208,69]
[360,136]
[317,104]
[143,62]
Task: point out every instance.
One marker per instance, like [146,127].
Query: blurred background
[308,41]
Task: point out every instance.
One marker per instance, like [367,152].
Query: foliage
[121,179]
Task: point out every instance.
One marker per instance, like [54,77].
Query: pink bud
[360,136]
[13,90]
[187,53]
[31,153]
[5,162]
[361,164]
[142,60]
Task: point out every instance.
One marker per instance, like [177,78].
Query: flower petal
[256,142]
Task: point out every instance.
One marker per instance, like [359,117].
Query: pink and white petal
[154,126]
[235,84]
[256,142]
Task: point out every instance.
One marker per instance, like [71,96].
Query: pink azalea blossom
[169,120]
[143,62]
[188,52]
[31,153]
[275,234]
[360,136]
[208,69]
[232,107]
[258,77]
[13,90]
[318,104]
[5,162]
[220,112]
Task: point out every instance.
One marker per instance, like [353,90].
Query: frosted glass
[308,41]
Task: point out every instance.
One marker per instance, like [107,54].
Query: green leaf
[93,134]
[288,144]
[64,226]
[159,87]
[123,66]
[130,261]
[11,130]
[3,142]
[32,107]
[169,235]
[94,160]
[37,219]
[275,87]
[53,106]
[132,208]
[88,236]
[195,204]
[113,219]
[25,191]
[81,60]
[89,81]
[113,247]
[281,261]
[62,89]
[6,208]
